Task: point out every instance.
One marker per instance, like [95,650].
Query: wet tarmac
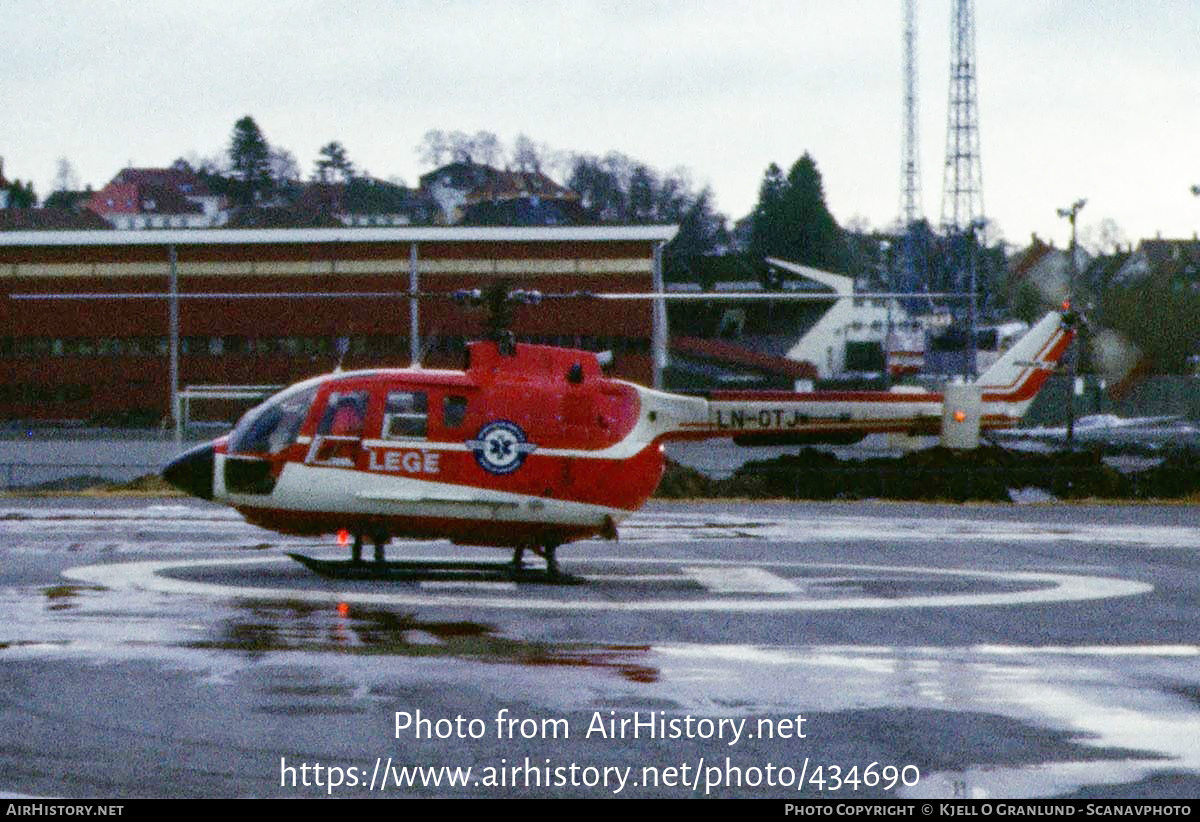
[165,648]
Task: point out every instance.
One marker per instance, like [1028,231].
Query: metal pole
[972,348]
[963,256]
[173,332]
[659,338]
[972,351]
[885,275]
[1071,214]
[414,316]
[1074,349]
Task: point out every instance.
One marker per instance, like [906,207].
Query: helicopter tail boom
[783,417]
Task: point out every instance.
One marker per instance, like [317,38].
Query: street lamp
[977,227]
[1070,214]
[885,274]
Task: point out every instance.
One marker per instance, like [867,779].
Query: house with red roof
[143,198]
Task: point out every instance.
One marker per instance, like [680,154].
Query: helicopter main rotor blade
[761,295]
[519,296]
[245,295]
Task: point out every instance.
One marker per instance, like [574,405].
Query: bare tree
[1104,237]
[857,224]
[284,168]
[556,164]
[192,161]
[488,148]
[459,147]
[65,178]
[434,148]
[462,147]
[526,154]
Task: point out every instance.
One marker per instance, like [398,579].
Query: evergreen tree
[701,232]
[641,195]
[791,220]
[767,227]
[21,195]
[617,189]
[333,164]
[250,161]
[599,188]
[365,195]
[817,240]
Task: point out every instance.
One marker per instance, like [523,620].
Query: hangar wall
[108,359]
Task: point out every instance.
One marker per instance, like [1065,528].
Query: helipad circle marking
[148,576]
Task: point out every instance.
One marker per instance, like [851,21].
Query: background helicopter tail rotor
[1101,350]
[1112,356]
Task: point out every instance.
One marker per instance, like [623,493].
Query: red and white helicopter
[530,446]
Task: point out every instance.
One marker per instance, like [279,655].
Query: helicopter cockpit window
[274,425]
[406,416]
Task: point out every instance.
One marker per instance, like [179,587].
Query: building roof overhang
[310,236]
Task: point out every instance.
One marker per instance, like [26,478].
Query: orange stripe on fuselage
[1030,382]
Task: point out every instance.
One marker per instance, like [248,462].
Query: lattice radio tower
[910,160]
[911,271]
[962,189]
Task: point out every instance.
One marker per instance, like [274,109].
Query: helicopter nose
[192,471]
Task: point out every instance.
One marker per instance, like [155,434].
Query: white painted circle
[1050,588]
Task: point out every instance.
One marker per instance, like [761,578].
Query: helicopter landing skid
[416,571]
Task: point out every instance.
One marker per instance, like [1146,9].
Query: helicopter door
[576,413]
[338,440]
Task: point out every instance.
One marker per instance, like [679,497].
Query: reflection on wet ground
[114,624]
[265,627]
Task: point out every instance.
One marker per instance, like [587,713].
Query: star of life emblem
[500,447]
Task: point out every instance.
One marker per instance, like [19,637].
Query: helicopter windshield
[273,426]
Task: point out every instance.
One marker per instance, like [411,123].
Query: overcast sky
[1077,98]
